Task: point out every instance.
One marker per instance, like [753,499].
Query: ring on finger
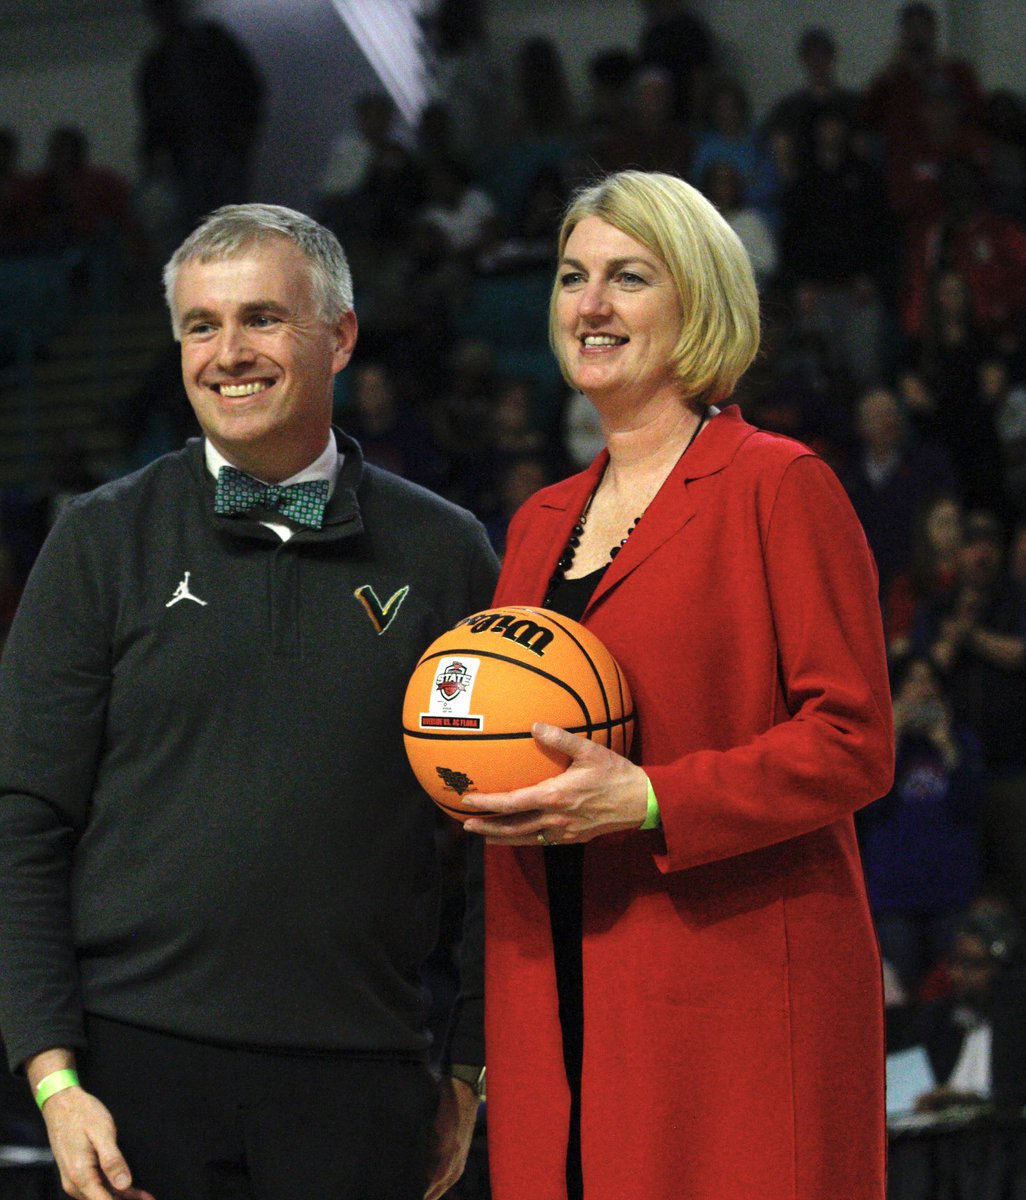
[542,839]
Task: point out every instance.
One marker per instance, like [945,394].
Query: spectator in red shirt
[942,133]
[987,249]
[933,571]
[71,202]
[894,101]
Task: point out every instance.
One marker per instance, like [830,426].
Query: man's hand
[454,1127]
[82,1136]
[84,1143]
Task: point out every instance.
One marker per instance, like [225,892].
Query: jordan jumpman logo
[182,593]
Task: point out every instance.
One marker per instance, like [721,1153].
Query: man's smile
[238,391]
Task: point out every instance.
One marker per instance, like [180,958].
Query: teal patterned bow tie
[238,493]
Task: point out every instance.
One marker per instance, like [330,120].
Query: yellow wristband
[56,1081]
[653,819]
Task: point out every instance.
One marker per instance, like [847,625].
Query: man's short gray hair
[230,230]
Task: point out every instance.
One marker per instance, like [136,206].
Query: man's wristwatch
[473,1076]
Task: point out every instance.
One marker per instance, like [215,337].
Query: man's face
[258,360]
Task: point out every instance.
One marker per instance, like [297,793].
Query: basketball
[478,689]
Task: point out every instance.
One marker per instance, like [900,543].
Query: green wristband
[652,818]
[56,1081]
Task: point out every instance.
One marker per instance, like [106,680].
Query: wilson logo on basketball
[453,680]
[522,630]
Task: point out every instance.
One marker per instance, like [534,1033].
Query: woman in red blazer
[684,997]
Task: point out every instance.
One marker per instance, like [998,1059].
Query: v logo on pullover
[381,615]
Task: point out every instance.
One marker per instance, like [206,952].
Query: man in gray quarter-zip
[218,877]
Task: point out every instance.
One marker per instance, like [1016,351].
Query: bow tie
[238,492]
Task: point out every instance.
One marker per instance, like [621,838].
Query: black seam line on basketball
[460,736]
[466,812]
[554,618]
[516,661]
[621,683]
[619,688]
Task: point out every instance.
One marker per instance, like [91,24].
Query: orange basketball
[479,688]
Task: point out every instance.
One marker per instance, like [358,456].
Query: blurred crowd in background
[887,229]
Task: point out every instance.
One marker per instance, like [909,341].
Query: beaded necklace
[567,557]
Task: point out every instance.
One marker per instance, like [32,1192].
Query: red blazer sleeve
[829,748]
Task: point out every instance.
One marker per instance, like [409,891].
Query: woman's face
[618,315]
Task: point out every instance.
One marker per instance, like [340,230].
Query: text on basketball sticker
[521,630]
[451,692]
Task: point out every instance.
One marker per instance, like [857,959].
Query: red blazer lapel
[676,502]
[555,511]
[555,515]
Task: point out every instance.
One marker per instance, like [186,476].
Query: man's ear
[345,339]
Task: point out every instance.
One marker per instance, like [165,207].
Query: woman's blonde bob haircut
[719,333]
